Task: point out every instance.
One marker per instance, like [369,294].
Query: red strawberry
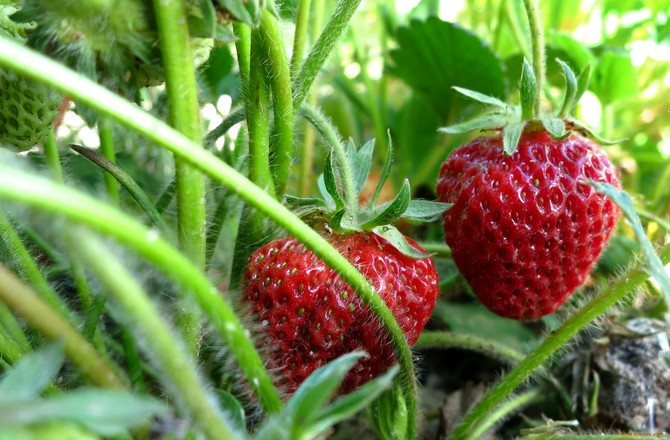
[525,229]
[309,316]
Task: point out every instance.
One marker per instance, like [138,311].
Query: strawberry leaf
[332,186]
[480,97]
[386,170]
[247,14]
[570,89]
[321,184]
[349,404]
[527,92]
[360,162]
[392,211]
[31,374]
[425,209]
[398,241]
[490,121]
[389,414]
[586,131]
[624,201]
[298,202]
[555,127]
[511,135]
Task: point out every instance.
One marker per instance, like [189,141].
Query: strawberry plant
[192,244]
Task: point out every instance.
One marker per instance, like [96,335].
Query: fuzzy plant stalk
[324,45]
[279,79]
[162,345]
[184,113]
[36,66]
[301,34]
[626,285]
[111,222]
[41,316]
[500,352]
[306,179]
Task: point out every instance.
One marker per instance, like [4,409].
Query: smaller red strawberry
[525,228]
[308,315]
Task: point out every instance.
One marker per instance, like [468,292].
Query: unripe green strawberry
[27,108]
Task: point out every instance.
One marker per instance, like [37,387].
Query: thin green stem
[309,138]
[279,78]
[118,174]
[322,48]
[52,157]
[110,221]
[512,405]
[499,352]
[537,41]
[41,316]
[160,341]
[106,132]
[234,118]
[329,133]
[615,292]
[300,37]
[184,110]
[41,68]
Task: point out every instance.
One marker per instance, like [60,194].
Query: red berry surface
[309,316]
[525,230]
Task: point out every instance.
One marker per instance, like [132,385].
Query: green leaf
[26,380]
[234,410]
[511,135]
[386,170]
[346,406]
[321,184]
[332,186]
[571,51]
[614,78]
[398,241]
[586,131]
[299,202]
[433,56]
[219,74]
[389,414]
[203,24]
[392,211]
[555,127]
[360,162]
[311,396]
[240,11]
[425,209]
[480,97]
[570,89]
[487,122]
[104,412]
[624,201]
[527,91]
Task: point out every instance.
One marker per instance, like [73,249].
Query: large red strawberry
[308,315]
[525,227]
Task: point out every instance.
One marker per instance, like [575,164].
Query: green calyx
[514,120]
[341,211]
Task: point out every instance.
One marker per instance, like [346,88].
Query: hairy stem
[322,48]
[499,352]
[300,37]
[615,292]
[160,340]
[537,41]
[41,316]
[184,111]
[45,70]
[279,77]
[514,404]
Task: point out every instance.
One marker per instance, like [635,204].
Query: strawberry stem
[184,111]
[627,284]
[537,41]
[106,132]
